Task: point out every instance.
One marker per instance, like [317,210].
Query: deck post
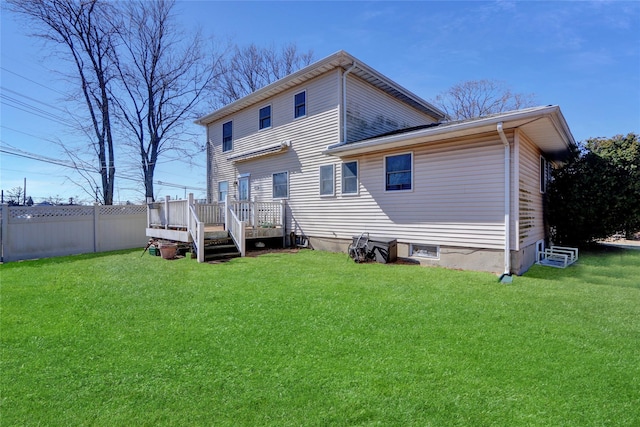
[189,203]
[282,223]
[226,211]
[243,238]
[166,212]
[252,207]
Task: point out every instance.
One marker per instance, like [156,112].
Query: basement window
[425,251]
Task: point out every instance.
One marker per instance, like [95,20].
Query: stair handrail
[195,227]
[235,227]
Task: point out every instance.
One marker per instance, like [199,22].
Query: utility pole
[24,194]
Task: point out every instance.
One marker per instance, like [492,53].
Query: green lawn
[313,339]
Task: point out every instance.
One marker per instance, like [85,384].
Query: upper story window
[300,104]
[281,185]
[350,178]
[223,190]
[265,117]
[398,172]
[327,177]
[227,136]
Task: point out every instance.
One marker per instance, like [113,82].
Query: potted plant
[168,250]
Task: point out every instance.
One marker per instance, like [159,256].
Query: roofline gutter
[457,130]
[507,204]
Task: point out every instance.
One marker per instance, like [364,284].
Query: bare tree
[14,195]
[164,73]
[251,68]
[83,30]
[476,98]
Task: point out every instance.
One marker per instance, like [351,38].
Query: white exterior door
[244,190]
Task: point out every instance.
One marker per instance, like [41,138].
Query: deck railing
[169,213]
[238,217]
[176,213]
[236,228]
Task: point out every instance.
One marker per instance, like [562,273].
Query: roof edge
[460,129]
[340,58]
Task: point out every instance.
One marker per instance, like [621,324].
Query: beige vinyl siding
[457,199]
[458,190]
[530,200]
[309,135]
[372,112]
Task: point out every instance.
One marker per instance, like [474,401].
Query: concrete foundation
[489,260]
[522,260]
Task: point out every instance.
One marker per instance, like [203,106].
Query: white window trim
[219,192]
[384,167]
[357,192]
[333,187]
[270,117]
[273,196]
[232,144]
[412,254]
[306,105]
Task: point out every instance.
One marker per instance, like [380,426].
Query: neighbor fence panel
[48,231]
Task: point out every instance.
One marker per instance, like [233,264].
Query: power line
[32,81]
[33,99]
[32,156]
[27,108]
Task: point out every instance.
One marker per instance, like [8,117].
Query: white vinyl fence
[48,231]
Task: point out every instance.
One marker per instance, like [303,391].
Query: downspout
[506,276]
[344,101]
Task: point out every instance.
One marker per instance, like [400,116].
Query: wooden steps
[220,248]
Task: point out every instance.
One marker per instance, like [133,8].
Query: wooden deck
[198,223]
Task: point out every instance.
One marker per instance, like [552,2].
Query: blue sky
[583,56]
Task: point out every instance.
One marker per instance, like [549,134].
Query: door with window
[244,195]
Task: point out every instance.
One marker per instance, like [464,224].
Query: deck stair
[220,247]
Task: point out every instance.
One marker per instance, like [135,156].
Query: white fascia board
[278,86]
[338,59]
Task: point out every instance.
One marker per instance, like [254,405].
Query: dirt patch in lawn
[258,252]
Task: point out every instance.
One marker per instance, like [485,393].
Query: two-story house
[348,150]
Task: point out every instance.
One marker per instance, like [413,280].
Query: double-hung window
[223,190]
[327,177]
[398,172]
[300,104]
[281,185]
[265,117]
[227,136]
[350,178]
